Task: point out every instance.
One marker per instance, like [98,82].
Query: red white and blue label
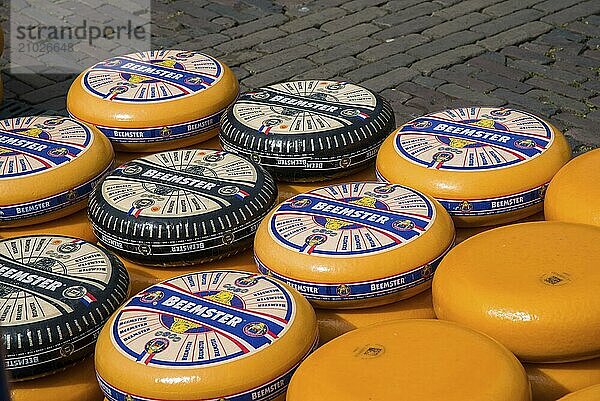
[153,76]
[203,319]
[345,220]
[473,139]
[33,145]
[163,133]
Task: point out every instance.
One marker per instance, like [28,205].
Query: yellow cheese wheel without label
[155,100]
[75,225]
[76,383]
[48,167]
[485,165]
[467,232]
[410,360]
[531,286]
[355,245]
[212,335]
[588,394]
[574,191]
[333,323]
[550,381]
[144,276]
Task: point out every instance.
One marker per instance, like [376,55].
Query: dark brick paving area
[542,56]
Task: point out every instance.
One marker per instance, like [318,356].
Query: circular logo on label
[201,312]
[67,349]
[343,290]
[32,145]
[180,183]
[473,139]
[67,272]
[152,76]
[304,107]
[351,219]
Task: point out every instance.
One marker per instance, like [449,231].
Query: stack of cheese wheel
[156,100]
[411,360]
[533,287]
[573,193]
[486,166]
[181,207]
[58,292]
[48,167]
[311,130]
[211,335]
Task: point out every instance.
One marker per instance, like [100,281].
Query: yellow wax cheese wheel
[76,383]
[144,276]
[75,225]
[48,167]
[333,323]
[588,394]
[532,286]
[573,192]
[355,245]
[212,335]
[485,165]
[550,381]
[411,360]
[467,232]
[155,100]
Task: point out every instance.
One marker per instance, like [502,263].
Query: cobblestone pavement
[538,55]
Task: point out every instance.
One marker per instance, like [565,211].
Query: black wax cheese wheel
[56,293]
[308,130]
[181,207]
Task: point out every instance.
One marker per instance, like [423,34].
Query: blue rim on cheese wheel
[355,245]
[155,100]
[411,360]
[572,195]
[56,293]
[211,335]
[531,286]
[181,207]
[48,167]
[308,130]
[485,165]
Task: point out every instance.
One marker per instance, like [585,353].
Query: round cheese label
[152,76]
[32,145]
[304,107]
[473,139]
[345,220]
[180,183]
[203,319]
[45,277]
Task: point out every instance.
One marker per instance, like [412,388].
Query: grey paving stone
[390,79]
[40,95]
[486,64]
[307,36]
[332,69]
[357,5]
[506,22]
[525,103]
[448,58]
[397,5]
[380,67]
[428,82]
[204,41]
[279,58]
[574,12]
[412,26]
[279,74]
[353,33]
[346,49]
[253,39]
[461,23]
[313,20]
[224,22]
[551,6]
[545,71]
[393,46]
[271,20]
[584,28]
[395,96]
[474,97]
[240,73]
[560,36]
[241,57]
[560,87]
[351,20]
[515,35]
[463,80]
[525,54]
[464,7]
[509,7]
[237,13]
[407,14]
[503,82]
[568,119]
[443,44]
